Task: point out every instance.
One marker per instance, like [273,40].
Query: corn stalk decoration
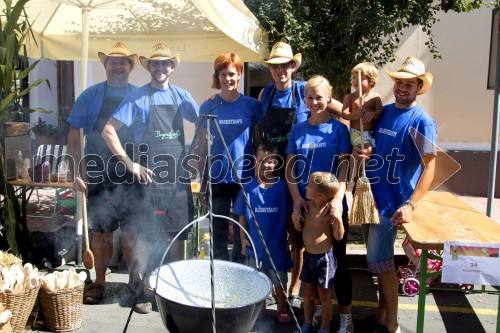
[15,34]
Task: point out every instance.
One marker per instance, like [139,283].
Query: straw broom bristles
[364,210]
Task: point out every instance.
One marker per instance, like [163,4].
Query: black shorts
[319,269]
[108,207]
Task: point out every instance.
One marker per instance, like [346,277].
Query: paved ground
[446,311]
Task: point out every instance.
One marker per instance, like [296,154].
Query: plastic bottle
[19,166]
[204,247]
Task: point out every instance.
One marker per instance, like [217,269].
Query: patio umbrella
[199,30]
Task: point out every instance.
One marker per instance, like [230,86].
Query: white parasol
[198,30]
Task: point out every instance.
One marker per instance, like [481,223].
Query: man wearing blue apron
[162,200]
[91,112]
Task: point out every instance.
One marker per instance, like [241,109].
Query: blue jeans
[380,240]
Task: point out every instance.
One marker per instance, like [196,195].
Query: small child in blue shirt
[271,203]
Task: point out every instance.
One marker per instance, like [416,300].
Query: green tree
[335,35]
[15,33]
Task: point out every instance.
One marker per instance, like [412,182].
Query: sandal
[94,294]
[270,300]
[295,301]
[144,304]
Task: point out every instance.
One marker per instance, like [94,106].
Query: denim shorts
[380,240]
[250,261]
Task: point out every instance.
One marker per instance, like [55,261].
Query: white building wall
[459,101]
[42,96]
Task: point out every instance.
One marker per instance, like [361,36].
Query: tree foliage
[335,35]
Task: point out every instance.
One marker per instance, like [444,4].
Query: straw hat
[282,53]
[119,50]
[412,67]
[160,51]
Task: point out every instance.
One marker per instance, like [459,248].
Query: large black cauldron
[183,295]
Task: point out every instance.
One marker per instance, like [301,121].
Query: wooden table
[441,217]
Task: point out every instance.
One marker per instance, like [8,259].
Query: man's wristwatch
[412,205]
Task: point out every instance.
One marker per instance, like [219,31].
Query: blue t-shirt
[394,169]
[284,99]
[271,207]
[134,109]
[236,120]
[88,104]
[318,148]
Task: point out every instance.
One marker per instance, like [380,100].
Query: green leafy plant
[15,33]
[42,128]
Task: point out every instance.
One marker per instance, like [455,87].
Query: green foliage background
[335,35]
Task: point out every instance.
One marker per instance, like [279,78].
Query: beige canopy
[198,30]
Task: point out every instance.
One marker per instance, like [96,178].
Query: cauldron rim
[155,272]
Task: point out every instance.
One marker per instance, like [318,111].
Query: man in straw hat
[91,112]
[283,100]
[283,104]
[162,200]
[406,137]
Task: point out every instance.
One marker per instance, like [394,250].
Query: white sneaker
[317,316]
[346,326]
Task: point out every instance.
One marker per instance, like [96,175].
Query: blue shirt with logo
[318,148]
[271,207]
[402,136]
[236,121]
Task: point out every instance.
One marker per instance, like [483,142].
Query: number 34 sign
[471,263]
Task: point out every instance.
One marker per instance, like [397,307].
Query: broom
[364,209]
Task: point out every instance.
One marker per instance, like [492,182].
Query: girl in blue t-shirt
[238,117]
[321,144]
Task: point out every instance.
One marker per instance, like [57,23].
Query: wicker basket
[62,310]
[21,306]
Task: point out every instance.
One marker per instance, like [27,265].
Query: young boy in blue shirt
[271,203]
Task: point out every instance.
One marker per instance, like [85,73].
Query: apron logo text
[170,136]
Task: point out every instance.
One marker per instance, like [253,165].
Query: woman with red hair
[238,117]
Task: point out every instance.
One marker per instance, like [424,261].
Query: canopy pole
[85,45]
[494,135]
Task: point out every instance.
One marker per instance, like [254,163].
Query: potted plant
[49,133]
[15,31]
